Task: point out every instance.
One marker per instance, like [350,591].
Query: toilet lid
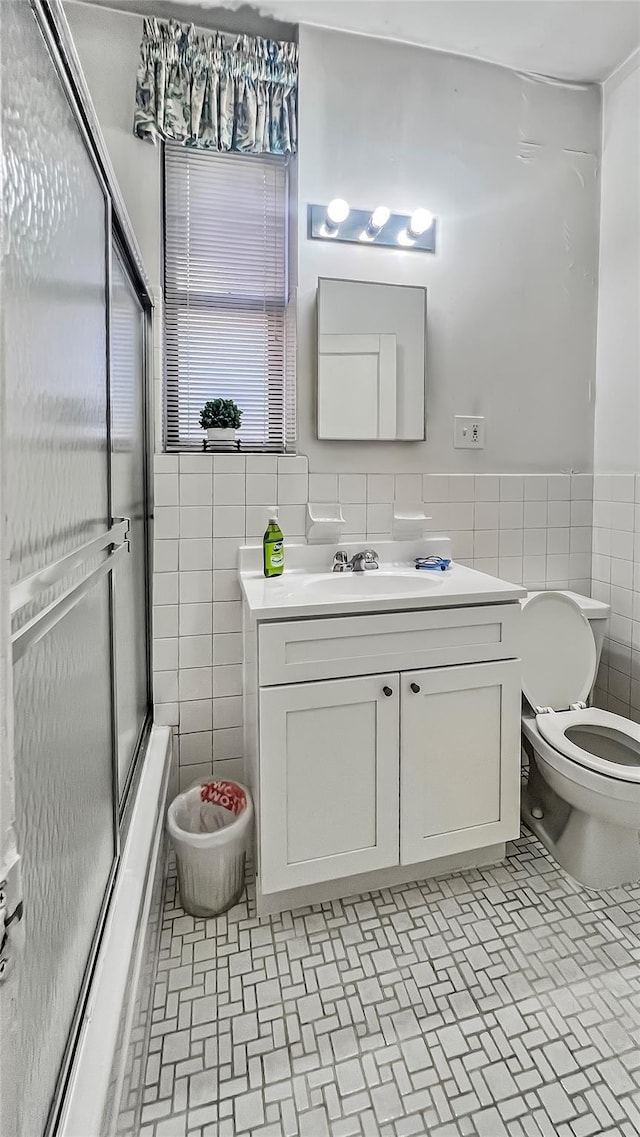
[558,652]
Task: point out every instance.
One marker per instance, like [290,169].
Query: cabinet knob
[387,691]
[415,687]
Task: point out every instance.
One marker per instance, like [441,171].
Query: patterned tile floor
[501,1001]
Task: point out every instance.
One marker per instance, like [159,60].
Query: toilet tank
[597,613]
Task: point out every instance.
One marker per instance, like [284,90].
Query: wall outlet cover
[468,432]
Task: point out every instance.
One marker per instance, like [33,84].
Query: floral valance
[216,92]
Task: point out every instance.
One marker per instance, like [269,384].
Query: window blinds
[228,327]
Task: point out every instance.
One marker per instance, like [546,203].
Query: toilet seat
[554,726]
[558,669]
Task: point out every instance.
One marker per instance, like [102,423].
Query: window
[228,324]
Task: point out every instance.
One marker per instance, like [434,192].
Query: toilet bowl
[582,798]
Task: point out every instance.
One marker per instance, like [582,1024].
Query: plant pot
[221,433]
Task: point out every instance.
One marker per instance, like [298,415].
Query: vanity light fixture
[337,212]
[377,227]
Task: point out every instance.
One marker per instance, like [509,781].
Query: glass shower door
[63,552]
[129,499]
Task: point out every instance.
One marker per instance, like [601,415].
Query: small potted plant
[221,419]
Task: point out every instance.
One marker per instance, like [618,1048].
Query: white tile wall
[534,530]
[616,579]
[206,507]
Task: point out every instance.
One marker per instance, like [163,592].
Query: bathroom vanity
[382,721]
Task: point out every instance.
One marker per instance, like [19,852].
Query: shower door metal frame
[124,799]
[55,30]
[53,24]
[50,18]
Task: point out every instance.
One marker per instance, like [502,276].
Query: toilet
[582,798]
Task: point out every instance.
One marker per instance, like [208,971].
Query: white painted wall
[508,163]
[616,508]
[108,44]
[617,418]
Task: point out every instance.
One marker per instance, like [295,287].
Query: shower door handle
[115,541]
[123,523]
[31,586]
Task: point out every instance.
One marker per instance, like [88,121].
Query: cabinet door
[328,780]
[460,759]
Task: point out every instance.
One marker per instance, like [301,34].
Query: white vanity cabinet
[459,768]
[329,791]
[398,745]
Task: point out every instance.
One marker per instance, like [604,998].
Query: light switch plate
[468,432]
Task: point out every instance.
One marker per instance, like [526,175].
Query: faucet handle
[340,561]
[370,557]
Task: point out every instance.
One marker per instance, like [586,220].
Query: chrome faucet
[367,559]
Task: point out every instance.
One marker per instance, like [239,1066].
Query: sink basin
[374,583]
[309,588]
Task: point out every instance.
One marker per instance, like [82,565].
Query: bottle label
[277,554]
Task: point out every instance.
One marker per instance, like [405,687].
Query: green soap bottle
[273,546]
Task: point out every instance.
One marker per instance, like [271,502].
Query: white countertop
[309,588]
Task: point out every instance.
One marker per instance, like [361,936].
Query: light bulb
[421,220]
[337,211]
[379,217]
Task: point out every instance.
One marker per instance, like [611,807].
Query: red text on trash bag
[227,794]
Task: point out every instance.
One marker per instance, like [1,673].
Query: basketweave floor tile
[498,1001]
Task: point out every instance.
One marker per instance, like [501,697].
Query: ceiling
[577,40]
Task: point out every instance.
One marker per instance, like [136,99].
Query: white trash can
[210,827]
